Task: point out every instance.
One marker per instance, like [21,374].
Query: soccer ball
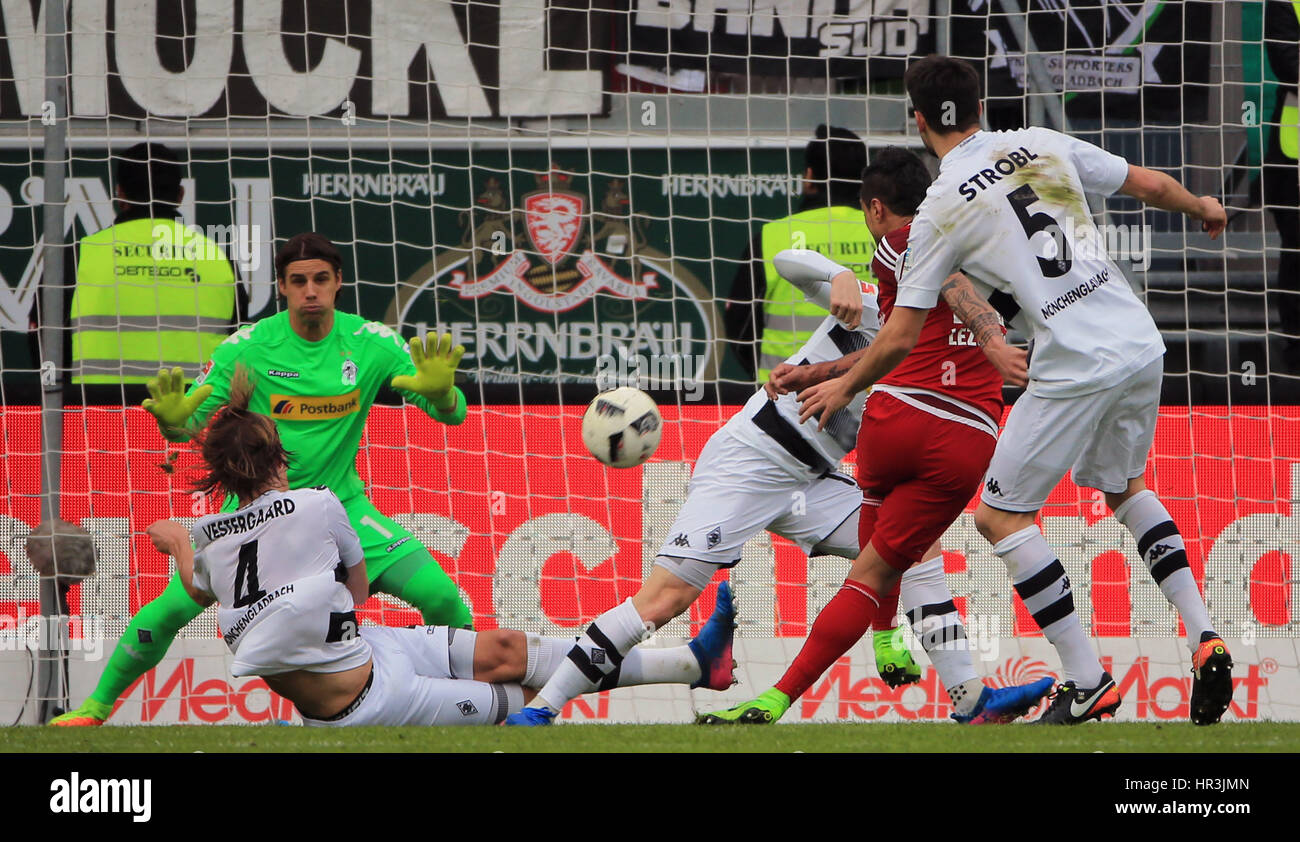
[621,427]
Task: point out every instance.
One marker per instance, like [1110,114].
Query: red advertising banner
[489,498]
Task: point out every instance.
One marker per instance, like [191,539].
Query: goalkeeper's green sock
[146,640]
[418,579]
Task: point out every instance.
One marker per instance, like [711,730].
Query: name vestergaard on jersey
[244,521]
[1002,166]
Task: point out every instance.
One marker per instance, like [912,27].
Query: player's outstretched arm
[169,405]
[435,362]
[890,347]
[978,315]
[795,378]
[1160,190]
[171,538]
[824,282]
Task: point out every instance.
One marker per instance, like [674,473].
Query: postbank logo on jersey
[517,267]
[311,408]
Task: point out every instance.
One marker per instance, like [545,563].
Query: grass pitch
[1106,737]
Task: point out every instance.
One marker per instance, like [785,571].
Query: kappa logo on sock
[993,487]
[598,656]
[467,708]
[1065,585]
[144,635]
[1158,550]
[681,540]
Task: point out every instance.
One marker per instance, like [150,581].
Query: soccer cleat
[1072,705]
[770,706]
[530,717]
[999,705]
[90,713]
[1211,680]
[712,646]
[893,660]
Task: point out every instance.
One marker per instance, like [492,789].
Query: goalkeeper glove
[435,371]
[167,402]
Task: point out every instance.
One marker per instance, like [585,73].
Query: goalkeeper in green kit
[316,373]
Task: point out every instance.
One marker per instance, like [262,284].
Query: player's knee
[500,655]
[995,525]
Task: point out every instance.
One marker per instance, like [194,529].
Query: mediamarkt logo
[306,407]
[866,697]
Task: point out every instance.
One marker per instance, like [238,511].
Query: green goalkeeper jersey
[318,393]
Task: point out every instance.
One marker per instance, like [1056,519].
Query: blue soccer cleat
[712,646]
[530,717]
[999,705]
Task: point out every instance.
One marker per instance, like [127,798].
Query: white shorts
[412,684]
[735,493]
[1102,438]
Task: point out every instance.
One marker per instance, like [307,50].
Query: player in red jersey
[926,439]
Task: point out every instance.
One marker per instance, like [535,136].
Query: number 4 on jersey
[247,590]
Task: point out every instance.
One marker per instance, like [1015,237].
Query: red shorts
[917,472]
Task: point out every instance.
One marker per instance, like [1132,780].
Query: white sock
[598,652]
[1043,586]
[675,665]
[927,603]
[545,654]
[964,696]
[1161,546]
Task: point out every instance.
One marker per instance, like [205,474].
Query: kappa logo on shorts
[993,487]
[467,708]
[681,540]
[714,537]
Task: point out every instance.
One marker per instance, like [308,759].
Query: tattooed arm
[983,321]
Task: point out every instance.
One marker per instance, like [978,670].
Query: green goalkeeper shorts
[383,540]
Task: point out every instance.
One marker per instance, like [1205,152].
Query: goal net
[573,191]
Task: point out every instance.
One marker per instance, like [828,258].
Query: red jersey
[946,360]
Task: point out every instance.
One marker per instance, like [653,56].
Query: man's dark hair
[150,172]
[836,156]
[241,449]
[308,246]
[946,91]
[898,178]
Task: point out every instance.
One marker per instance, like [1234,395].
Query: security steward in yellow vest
[767,318]
[150,293]
[1281,180]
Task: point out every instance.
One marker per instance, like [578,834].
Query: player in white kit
[764,470]
[1008,211]
[288,571]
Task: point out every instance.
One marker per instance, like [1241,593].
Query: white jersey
[773,426]
[278,567]
[1008,210]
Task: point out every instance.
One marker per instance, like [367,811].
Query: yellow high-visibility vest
[840,233]
[150,294]
[1288,132]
